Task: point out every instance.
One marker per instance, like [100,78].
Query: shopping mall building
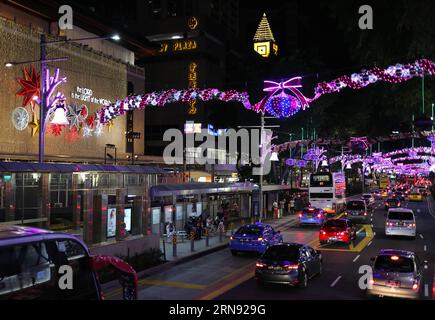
[85,186]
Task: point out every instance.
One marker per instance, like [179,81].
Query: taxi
[385,194]
[254,238]
[414,196]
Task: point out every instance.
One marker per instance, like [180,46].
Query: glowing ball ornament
[282,105]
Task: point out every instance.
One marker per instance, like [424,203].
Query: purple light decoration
[290,162]
[282,105]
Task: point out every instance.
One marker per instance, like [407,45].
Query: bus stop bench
[179,234]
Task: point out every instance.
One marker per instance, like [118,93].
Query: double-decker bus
[327,191]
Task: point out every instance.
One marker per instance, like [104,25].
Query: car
[400,222]
[397,274]
[254,238]
[385,194]
[392,203]
[32,262]
[415,196]
[400,195]
[423,192]
[369,199]
[337,230]
[288,263]
[312,216]
[377,194]
[357,211]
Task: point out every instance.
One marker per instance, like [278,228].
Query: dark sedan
[290,264]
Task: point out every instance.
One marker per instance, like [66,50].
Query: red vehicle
[339,230]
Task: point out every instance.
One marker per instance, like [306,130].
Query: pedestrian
[292,206]
[170,230]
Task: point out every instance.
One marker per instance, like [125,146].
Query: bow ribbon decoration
[293,85]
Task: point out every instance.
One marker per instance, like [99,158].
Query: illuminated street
[217,158]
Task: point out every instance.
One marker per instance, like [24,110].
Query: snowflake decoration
[77,116]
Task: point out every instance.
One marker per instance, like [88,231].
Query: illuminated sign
[193,23]
[193,84]
[87,95]
[184,45]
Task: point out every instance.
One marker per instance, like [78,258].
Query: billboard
[111,223]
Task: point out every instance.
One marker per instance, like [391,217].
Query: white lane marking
[335,282]
[421,236]
[426,290]
[370,243]
[425,248]
[357,257]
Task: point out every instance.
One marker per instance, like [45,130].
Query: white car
[368,198]
[401,222]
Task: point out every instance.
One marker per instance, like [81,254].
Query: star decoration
[56,129]
[76,116]
[98,127]
[110,125]
[30,86]
[72,135]
[87,132]
[34,124]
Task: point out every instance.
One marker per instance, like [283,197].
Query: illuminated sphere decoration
[282,105]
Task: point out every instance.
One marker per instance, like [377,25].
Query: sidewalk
[215,243]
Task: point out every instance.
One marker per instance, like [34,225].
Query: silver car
[396,273]
[400,222]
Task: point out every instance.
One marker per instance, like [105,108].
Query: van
[38,264]
[401,222]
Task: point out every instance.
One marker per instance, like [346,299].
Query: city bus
[327,191]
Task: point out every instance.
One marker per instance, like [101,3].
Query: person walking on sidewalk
[292,206]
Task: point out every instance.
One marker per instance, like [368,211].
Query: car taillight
[260,239]
[292,267]
[415,285]
[398,204]
[260,265]
[322,232]
[365,214]
[231,238]
[319,216]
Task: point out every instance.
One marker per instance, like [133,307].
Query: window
[72,253]
[321,195]
[356,205]
[26,273]
[397,215]
[31,271]
[282,253]
[250,231]
[394,264]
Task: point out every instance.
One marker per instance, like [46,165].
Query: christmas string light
[282,105]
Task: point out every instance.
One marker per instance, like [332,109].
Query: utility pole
[260,202]
[42,105]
